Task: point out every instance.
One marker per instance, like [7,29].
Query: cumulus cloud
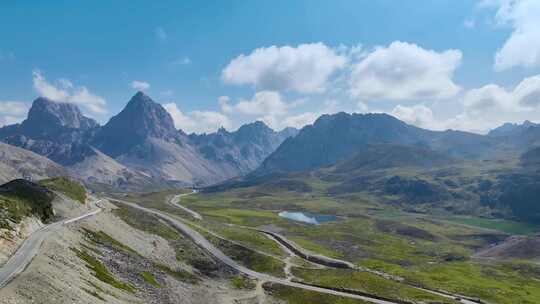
[525,96]
[197,121]
[522,48]
[527,93]
[405,71]
[304,69]
[267,106]
[300,120]
[483,108]
[12,112]
[265,102]
[262,103]
[140,85]
[65,91]
[418,115]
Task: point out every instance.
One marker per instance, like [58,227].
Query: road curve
[175,201]
[30,247]
[324,260]
[206,245]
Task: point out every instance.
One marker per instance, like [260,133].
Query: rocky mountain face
[52,129]
[244,149]
[139,147]
[336,137]
[509,129]
[143,137]
[520,137]
[16,163]
[142,118]
[383,156]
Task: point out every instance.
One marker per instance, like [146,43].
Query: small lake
[306,217]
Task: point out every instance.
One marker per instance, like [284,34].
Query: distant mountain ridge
[52,129]
[140,145]
[336,137]
[244,149]
[509,129]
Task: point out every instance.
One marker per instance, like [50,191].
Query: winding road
[206,245]
[298,251]
[30,247]
[175,201]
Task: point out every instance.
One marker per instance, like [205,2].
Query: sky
[446,64]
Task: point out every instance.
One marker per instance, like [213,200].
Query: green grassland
[300,296]
[429,247]
[427,250]
[70,188]
[506,226]
[19,199]
[366,282]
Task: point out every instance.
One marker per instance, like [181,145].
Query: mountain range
[139,147]
[336,137]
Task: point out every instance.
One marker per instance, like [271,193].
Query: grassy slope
[443,262]
[19,199]
[432,250]
[70,188]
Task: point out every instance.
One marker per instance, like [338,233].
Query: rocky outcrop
[20,163]
[245,149]
[55,130]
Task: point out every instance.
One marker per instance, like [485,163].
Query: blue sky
[91,53]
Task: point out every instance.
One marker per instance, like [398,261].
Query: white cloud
[525,96]
[487,97]
[265,102]
[527,92]
[182,61]
[300,120]
[66,91]
[522,48]
[12,112]
[161,34]
[483,108]
[418,115]
[140,85]
[304,69]
[224,104]
[197,121]
[405,71]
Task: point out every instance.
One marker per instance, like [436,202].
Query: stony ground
[142,268]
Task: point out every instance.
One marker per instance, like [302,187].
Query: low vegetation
[249,258]
[366,282]
[70,188]
[21,198]
[301,296]
[243,282]
[149,278]
[101,272]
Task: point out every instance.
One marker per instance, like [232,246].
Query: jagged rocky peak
[508,129]
[46,114]
[145,117]
[253,131]
[141,119]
